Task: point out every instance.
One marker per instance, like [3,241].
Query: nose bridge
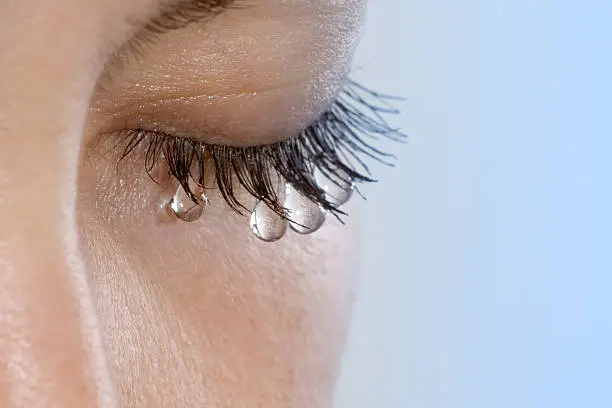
[50,347]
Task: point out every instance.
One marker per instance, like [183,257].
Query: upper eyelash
[335,144]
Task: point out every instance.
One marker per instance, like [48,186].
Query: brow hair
[186,12]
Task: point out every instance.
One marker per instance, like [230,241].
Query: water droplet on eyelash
[305,215]
[183,206]
[266,224]
[337,184]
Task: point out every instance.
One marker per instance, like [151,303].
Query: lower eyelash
[335,145]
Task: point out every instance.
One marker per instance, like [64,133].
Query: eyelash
[335,145]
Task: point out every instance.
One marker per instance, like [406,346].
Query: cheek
[205,311]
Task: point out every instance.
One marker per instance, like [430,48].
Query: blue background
[486,253]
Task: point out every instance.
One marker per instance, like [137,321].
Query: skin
[107,301]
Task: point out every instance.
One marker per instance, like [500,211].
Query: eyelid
[227,66]
[249,118]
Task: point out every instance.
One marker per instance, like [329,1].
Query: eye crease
[319,168]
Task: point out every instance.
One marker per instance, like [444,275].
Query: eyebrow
[185,12]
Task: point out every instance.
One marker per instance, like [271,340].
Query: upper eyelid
[194,62]
[213,118]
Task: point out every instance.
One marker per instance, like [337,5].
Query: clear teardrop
[184,207]
[266,224]
[338,187]
[306,216]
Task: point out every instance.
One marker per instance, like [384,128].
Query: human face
[105,300]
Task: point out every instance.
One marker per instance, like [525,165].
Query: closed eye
[254,90]
[337,145]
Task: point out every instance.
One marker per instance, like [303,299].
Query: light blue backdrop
[487,253]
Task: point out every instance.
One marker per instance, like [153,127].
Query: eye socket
[335,146]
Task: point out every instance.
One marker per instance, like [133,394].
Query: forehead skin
[100,306]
